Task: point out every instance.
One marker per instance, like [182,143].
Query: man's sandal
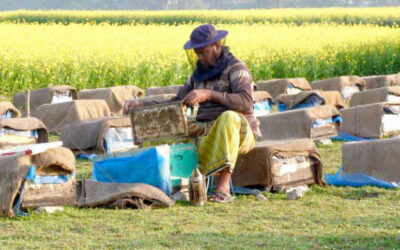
[221,197]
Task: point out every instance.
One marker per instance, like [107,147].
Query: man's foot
[221,197]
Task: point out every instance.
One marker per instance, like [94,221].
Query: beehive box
[160,121]
[42,195]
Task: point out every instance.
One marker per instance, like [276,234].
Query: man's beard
[212,61]
[209,64]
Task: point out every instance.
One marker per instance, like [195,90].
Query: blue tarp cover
[321,122]
[348,137]
[150,167]
[312,101]
[262,108]
[282,106]
[356,180]
[47,179]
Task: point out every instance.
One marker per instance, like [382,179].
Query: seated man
[222,87]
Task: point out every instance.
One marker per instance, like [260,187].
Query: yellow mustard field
[89,56]
[380,16]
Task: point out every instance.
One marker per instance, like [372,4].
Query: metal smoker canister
[197,188]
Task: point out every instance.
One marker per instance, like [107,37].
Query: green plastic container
[183,159]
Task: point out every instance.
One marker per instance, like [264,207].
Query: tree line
[185,4]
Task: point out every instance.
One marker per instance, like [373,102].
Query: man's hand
[130,105]
[197,96]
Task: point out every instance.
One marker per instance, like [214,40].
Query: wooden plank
[40,195]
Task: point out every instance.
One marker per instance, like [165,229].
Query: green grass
[330,217]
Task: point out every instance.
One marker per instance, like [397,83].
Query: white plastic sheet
[390,123]
[60,97]
[393,98]
[290,165]
[262,108]
[8,114]
[348,91]
[33,148]
[291,90]
[23,133]
[117,139]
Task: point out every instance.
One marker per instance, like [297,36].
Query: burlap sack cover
[335,98]
[364,120]
[292,101]
[12,172]
[378,158]
[172,89]
[329,97]
[55,161]
[56,116]
[8,106]
[113,96]
[373,96]
[40,96]
[297,123]
[120,195]
[338,83]
[379,81]
[260,96]
[88,136]
[254,168]
[156,99]
[29,123]
[276,87]
[13,169]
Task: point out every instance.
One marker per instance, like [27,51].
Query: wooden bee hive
[161,121]
[42,195]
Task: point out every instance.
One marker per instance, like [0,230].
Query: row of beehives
[374,102]
[57,108]
[373,111]
[43,176]
[278,136]
[54,108]
[318,112]
[34,174]
[48,178]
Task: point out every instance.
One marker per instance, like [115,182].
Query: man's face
[207,55]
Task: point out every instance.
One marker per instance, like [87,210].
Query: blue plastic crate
[150,166]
